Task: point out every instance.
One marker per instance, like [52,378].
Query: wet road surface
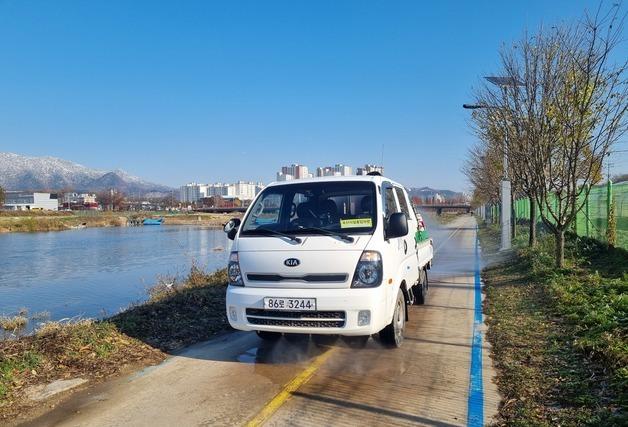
[237,379]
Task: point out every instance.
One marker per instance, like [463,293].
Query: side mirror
[231,228]
[397,225]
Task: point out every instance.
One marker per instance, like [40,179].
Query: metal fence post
[609,198]
[609,201]
[586,210]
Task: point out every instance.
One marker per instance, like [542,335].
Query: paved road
[237,379]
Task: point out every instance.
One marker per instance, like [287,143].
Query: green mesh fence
[592,219]
[598,213]
[620,199]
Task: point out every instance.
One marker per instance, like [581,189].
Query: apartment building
[243,190]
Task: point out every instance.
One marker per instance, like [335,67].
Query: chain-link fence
[592,219]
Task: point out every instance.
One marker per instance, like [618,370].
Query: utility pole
[506,191]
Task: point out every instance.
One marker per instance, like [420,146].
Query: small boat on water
[152,221]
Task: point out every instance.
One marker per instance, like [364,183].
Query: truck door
[411,260]
[392,252]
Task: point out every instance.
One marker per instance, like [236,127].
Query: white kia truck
[328,256]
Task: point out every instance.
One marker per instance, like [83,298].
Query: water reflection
[97,271]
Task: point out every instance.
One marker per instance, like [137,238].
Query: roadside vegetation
[179,312]
[559,336]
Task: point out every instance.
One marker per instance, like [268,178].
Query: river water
[95,272]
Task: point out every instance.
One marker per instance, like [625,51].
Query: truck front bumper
[338,311]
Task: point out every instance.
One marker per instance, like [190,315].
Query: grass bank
[11,221]
[179,312]
[213,220]
[559,337]
[57,222]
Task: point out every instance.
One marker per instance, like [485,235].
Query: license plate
[297,304]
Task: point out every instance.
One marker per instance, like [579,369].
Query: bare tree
[111,200]
[493,127]
[2,196]
[585,107]
[532,66]
[563,115]
[483,169]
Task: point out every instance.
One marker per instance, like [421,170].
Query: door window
[265,212]
[391,204]
[402,202]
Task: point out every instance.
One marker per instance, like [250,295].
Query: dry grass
[57,223]
[32,221]
[13,323]
[33,213]
[179,313]
[214,220]
[87,349]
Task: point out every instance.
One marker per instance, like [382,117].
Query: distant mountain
[429,193]
[50,173]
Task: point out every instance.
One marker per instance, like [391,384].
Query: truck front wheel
[392,334]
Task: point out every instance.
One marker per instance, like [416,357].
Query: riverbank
[559,337]
[59,221]
[178,313]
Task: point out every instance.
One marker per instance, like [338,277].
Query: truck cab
[328,256]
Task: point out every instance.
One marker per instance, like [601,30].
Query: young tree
[563,114]
[585,113]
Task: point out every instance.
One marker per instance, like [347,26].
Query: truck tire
[420,290]
[268,336]
[392,334]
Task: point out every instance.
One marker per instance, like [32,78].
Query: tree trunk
[532,241]
[560,248]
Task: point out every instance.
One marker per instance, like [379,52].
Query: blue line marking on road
[475,403]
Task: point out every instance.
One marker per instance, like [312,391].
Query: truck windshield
[346,207]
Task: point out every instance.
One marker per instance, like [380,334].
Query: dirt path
[442,376]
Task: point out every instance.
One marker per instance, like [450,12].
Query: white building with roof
[25,201]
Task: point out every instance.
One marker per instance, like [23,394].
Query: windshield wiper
[279,234]
[329,233]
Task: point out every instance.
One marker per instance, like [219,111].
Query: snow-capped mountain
[50,173]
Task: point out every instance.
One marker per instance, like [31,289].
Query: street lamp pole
[506,240]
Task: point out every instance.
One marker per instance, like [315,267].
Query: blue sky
[217,91]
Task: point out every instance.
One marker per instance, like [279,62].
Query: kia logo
[291,262]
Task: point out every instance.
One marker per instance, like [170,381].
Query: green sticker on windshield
[356,223]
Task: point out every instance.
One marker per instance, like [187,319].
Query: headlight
[233,270]
[369,271]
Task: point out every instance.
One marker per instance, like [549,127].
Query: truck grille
[308,319]
[310,278]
